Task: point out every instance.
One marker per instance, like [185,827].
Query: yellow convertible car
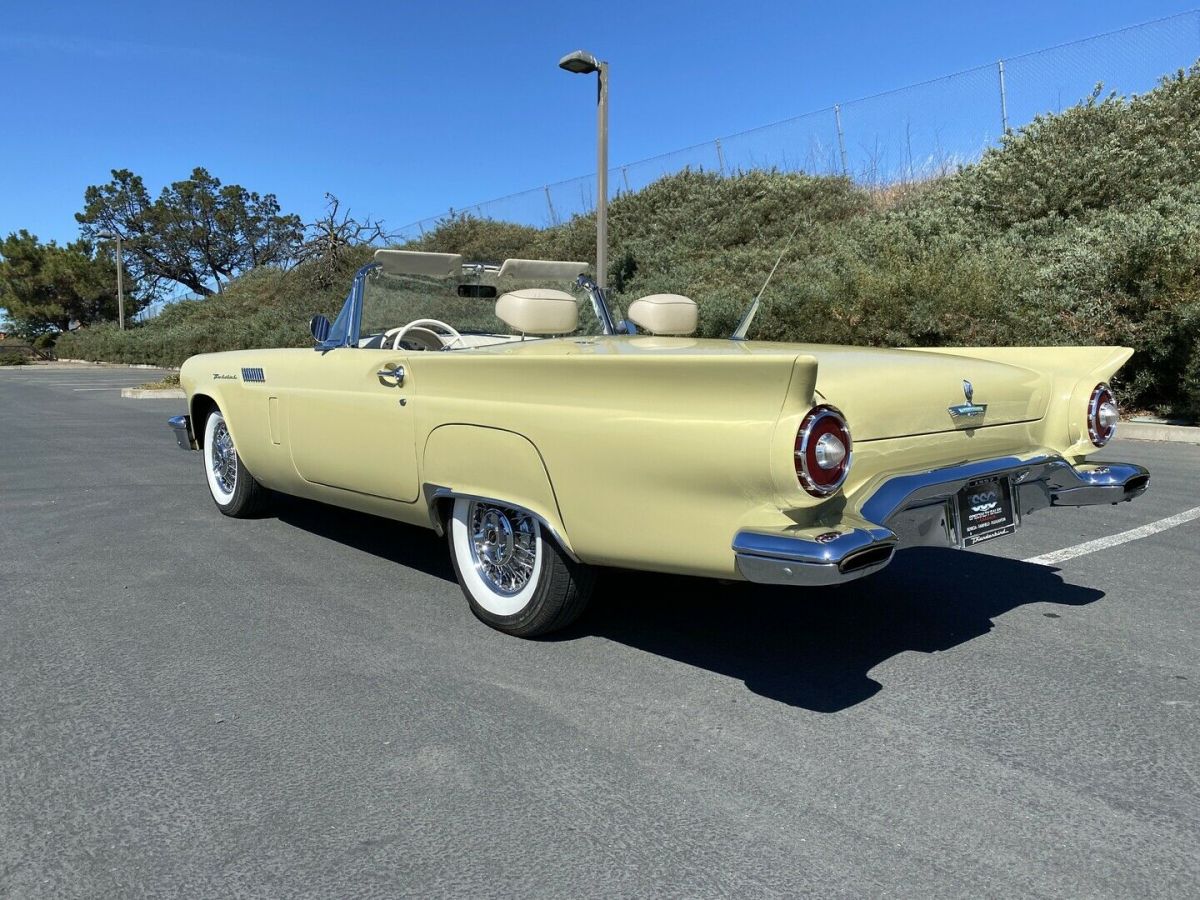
[507,408]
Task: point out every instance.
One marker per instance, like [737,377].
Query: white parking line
[1049,559]
[103,389]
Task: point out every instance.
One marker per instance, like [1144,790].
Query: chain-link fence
[898,136]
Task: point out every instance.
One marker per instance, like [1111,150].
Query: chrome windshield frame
[344,332]
[599,302]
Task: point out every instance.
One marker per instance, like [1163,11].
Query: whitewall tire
[233,488]
[513,573]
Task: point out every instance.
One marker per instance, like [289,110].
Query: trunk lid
[900,393]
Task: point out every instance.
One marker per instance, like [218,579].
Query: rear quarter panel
[654,460]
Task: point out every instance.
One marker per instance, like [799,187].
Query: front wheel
[515,576]
[233,488]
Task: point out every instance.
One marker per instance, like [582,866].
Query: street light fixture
[109,236]
[583,63]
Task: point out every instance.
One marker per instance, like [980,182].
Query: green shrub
[264,308]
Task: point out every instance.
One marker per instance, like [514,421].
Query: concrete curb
[1148,431]
[147,394]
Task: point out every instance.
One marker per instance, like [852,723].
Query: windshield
[466,303]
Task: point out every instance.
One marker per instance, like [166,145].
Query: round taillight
[823,451]
[1102,415]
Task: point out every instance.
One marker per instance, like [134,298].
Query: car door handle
[396,372]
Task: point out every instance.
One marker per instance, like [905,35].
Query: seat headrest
[538,311]
[664,314]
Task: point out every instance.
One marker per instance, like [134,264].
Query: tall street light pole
[109,236]
[583,63]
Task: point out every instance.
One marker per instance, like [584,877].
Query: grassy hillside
[265,308]
[1082,228]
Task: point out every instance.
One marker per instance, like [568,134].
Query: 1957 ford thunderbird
[507,408]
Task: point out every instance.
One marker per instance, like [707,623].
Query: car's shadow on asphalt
[815,648]
[809,648]
[405,545]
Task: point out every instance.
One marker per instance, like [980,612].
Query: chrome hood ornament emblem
[968,410]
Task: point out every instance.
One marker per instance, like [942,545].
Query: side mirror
[319,326]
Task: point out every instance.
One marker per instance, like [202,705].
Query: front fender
[204,391]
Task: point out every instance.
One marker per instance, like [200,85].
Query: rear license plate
[985,511]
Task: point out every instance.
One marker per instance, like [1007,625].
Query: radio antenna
[739,333]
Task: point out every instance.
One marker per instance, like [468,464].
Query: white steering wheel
[399,333]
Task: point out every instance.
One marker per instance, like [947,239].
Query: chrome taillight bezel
[1097,431]
[821,420]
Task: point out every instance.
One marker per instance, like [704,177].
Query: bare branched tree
[329,240]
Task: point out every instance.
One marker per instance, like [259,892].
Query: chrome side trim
[182,426]
[435,492]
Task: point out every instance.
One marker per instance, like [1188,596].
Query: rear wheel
[233,488]
[515,576]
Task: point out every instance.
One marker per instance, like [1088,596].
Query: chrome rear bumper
[918,509]
[182,426]
[813,556]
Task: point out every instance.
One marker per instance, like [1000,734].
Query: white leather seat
[664,314]
[538,311]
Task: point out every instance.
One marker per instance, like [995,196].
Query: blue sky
[404,111]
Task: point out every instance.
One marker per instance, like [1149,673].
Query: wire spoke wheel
[234,489]
[224,458]
[503,546]
[512,569]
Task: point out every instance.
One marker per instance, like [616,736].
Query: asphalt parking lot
[302,705]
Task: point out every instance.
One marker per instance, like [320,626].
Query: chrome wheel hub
[224,458]
[503,546]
